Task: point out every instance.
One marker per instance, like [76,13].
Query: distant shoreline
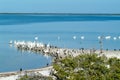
[66,13]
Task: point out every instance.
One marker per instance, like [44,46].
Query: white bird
[82,37]
[48,45]
[15,42]
[119,37]
[99,37]
[108,37]
[74,37]
[114,38]
[36,38]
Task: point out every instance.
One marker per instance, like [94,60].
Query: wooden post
[101,44]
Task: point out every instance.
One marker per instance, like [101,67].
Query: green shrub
[87,67]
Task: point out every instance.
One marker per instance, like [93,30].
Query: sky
[60,6]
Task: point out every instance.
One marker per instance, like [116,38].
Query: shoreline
[61,13]
[45,71]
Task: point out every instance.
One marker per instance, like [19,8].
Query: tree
[87,67]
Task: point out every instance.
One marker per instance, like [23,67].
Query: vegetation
[87,67]
[36,77]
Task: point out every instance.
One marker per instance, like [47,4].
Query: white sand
[13,77]
[45,73]
[111,54]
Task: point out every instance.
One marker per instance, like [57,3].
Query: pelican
[99,37]
[36,38]
[74,37]
[107,37]
[48,45]
[114,38]
[119,37]
[82,37]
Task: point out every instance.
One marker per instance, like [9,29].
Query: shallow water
[48,28]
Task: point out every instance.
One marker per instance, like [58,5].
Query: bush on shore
[87,67]
[36,77]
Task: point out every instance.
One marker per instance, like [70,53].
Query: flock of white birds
[74,38]
[99,37]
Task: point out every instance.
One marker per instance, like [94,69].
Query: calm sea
[57,30]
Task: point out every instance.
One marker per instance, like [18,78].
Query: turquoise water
[48,28]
